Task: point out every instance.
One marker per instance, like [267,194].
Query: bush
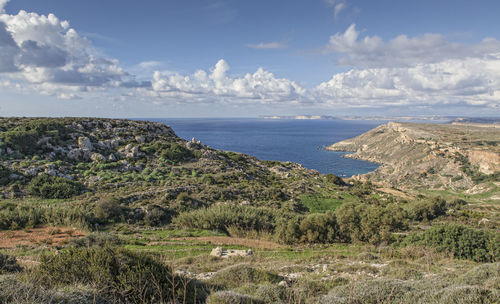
[4,176]
[47,186]
[231,297]
[8,264]
[96,240]
[22,141]
[334,179]
[156,216]
[108,209]
[239,275]
[121,275]
[222,217]
[369,223]
[462,241]
[428,210]
[177,153]
[24,214]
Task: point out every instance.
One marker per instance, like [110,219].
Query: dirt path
[395,192]
[49,236]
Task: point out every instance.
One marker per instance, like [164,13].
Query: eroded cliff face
[426,155]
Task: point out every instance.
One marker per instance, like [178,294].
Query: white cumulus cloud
[45,52]
[372,51]
[472,81]
[216,85]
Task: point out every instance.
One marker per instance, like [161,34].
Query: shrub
[108,209]
[22,141]
[334,179]
[221,217]
[121,275]
[47,186]
[239,275]
[97,240]
[319,228]
[4,176]
[156,216]
[177,153]
[462,241]
[8,264]
[369,223]
[231,297]
[428,210]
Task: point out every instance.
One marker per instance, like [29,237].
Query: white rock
[84,143]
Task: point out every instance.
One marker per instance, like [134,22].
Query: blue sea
[299,141]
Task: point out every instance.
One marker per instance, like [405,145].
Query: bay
[299,141]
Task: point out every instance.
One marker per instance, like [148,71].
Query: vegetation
[118,211]
[47,186]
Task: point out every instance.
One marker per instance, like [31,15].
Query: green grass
[319,204]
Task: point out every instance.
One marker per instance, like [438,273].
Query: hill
[123,211]
[435,156]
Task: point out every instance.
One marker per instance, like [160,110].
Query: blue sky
[216,58]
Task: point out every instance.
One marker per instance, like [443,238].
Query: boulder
[85,144]
[96,157]
[227,253]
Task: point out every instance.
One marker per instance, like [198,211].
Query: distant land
[437,118]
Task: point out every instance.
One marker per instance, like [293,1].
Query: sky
[236,58]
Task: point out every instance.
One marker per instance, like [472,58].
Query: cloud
[217,85]
[402,51]
[44,52]
[338,6]
[269,45]
[2,5]
[471,81]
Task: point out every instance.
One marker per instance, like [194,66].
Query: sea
[299,141]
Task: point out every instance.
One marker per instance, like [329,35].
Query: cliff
[428,155]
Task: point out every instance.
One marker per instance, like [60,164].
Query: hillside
[122,211]
[139,161]
[435,156]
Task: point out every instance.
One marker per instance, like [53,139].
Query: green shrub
[462,241]
[96,240]
[22,141]
[319,228]
[156,216]
[428,210]
[8,264]
[241,274]
[221,217]
[369,223]
[22,214]
[177,153]
[108,209]
[4,176]
[231,297]
[47,186]
[121,275]
[334,179]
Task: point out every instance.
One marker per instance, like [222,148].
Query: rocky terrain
[435,156]
[122,211]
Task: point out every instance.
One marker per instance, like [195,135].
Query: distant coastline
[431,118]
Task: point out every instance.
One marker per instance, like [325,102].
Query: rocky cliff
[428,155]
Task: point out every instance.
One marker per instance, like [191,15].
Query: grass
[319,203]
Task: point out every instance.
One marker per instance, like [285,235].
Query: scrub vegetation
[120,211]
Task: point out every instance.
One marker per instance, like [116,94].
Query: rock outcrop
[426,155]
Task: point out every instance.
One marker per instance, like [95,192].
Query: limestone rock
[226,253]
[96,157]
[140,139]
[85,144]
